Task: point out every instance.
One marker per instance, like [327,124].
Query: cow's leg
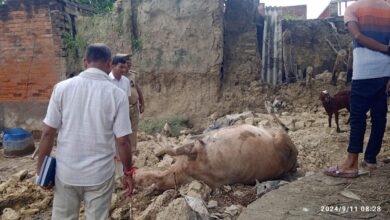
[330,119]
[164,151]
[187,149]
[336,118]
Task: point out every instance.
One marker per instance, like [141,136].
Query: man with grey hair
[89,113]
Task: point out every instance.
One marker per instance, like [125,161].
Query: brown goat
[333,104]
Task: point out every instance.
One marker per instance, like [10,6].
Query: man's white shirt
[89,111]
[123,83]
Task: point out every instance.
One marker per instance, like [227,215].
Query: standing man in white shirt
[119,67]
[89,113]
[137,103]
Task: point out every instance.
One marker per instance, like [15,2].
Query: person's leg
[359,108]
[378,113]
[66,204]
[97,200]
[134,117]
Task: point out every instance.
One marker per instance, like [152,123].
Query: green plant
[99,5]
[153,126]
[292,17]
[136,44]
[75,45]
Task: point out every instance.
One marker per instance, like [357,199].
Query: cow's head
[324,97]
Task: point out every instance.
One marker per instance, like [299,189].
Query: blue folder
[47,172]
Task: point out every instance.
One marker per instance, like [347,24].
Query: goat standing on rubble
[333,104]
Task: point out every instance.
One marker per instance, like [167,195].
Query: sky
[314,7]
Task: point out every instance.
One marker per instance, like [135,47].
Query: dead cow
[333,104]
[237,154]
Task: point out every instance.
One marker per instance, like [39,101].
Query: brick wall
[331,10]
[325,13]
[298,11]
[33,57]
[29,60]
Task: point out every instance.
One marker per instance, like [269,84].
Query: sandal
[335,172]
[370,166]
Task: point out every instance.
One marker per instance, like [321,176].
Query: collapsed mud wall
[241,55]
[312,43]
[181,55]
[177,49]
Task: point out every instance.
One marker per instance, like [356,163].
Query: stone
[325,76]
[227,188]
[214,116]
[249,121]
[167,131]
[21,175]
[199,206]
[4,186]
[177,209]
[285,113]
[310,173]
[196,189]
[239,194]
[212,204]
[217,215]
[10,214]
[299,125]
[305,114]
[157,205]
[239,122]
[28,212]
[233,210]
[119,212]
[165,162]
[265,123]
[114,200]
[342,77]
[184,132]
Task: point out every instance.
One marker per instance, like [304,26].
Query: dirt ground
[320,197]
[319,147]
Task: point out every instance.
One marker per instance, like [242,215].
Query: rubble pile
[297,107]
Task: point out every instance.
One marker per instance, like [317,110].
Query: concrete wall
[28,114]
